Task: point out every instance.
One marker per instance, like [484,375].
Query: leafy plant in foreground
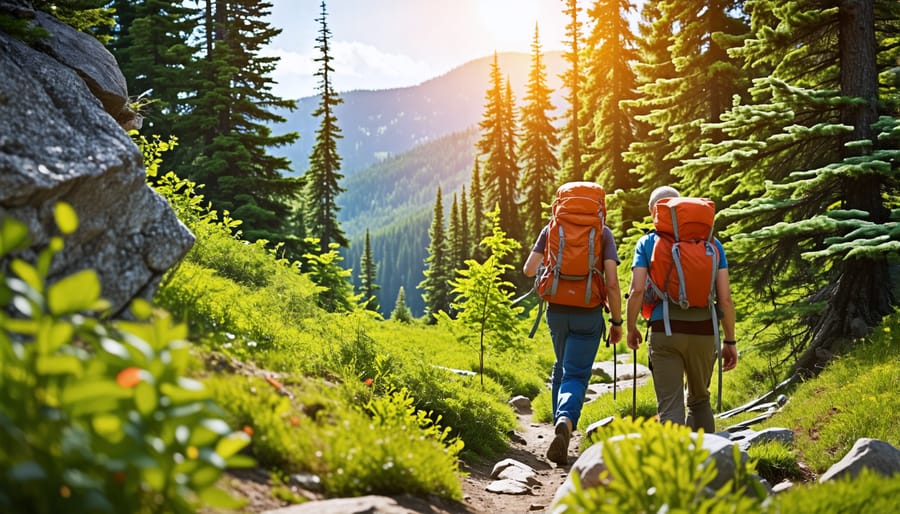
[99,417]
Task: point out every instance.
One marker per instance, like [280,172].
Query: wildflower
[369,382]
[295,420]
[248,430]
[129,377]
[192,452]
[64,491]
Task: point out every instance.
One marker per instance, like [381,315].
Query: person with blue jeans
[576,333]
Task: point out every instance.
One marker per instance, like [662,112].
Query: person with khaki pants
[690,349]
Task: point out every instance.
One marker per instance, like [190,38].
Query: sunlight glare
[510,23]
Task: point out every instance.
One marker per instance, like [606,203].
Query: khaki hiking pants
[673,358]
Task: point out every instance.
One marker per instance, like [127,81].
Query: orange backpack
[572,271]
[685,260]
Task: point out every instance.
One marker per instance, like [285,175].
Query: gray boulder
[63,115]
[590,465]
[866,453]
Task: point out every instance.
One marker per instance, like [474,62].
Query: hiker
[575,329]
[690,350]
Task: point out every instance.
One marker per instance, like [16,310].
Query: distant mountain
[378,124]
[398,146]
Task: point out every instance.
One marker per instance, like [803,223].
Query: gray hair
[663,192]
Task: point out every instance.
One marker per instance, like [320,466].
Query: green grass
[854,397]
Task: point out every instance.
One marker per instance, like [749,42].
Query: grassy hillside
[365,405]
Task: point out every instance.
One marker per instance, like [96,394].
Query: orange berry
[369,382]
[248,430]
[295,420]
[129,377]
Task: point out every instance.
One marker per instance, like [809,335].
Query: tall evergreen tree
[815,157]
[368,271]
[478,219]
[650,152]
[436,285]
[573,79]
[608,129]
[155,49]
[538,143]
[497,144]
[465,244]
[706,78]
[230,124]
[457,251]
[323,176]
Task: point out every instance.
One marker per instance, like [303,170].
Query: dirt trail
[530,450]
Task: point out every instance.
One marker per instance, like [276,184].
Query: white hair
[663,192]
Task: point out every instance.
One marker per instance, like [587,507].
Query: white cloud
[356,66]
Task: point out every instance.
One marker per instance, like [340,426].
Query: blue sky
[380,44]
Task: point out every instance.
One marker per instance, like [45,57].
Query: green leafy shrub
[387,447]
[99,417]
[660,468]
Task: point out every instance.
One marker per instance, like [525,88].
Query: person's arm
[635,302]
[532,263]
[726,304]
[614,298]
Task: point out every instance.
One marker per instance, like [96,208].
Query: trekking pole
[615,375]
[634,387]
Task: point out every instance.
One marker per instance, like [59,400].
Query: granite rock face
[63,121]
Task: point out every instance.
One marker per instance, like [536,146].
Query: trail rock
[591,464]
[360,505]
[866,453]
[508,487]
[506,463]
[521,404]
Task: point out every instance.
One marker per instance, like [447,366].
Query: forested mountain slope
[393,200]
[377,124]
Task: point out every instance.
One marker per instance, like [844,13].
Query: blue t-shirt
[644,249]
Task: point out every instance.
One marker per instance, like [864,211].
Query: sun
[508,24]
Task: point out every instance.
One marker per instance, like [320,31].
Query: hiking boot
[559,447]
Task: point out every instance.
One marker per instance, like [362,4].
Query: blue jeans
[576,338]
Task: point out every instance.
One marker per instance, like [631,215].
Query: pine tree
[484,302]
[705,79]
[608,129]
[649,153]
[230,124]
[368,271]
[497,144]
[401,311]
[573,78]
[478,220]
[457,252]
[465,245]
[538,143]
[155,50]
[323,176]
[814,157]
[436,285]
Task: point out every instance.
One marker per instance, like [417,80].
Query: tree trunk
[862,294]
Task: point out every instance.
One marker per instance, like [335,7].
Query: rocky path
[530,449]
[527,492]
